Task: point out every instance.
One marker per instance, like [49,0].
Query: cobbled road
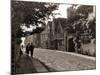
[64,61]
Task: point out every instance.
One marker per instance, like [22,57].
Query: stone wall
[89,49]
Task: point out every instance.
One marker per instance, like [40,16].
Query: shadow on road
[25,65]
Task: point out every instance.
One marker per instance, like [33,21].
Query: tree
[84,10]
[89,25]
[30,13]
[80,25]
[79,22]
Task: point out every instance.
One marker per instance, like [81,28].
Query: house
[57,31]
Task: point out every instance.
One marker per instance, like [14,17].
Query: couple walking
[29,49]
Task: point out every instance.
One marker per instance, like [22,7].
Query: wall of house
[61,45]
[45,37]
[44,40]
[90,48]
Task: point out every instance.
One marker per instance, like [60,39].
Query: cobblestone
[64,61]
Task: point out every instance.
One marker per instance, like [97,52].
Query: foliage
[79,23]
[84,10]
[33,13]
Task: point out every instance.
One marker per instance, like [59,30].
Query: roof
[62,21]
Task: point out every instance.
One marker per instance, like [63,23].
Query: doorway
[71,45]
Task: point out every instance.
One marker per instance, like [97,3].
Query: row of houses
[56,37]
[53,37]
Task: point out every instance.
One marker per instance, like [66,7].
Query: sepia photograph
[52,37]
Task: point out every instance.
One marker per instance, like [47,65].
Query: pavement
[27,64]
[64,61]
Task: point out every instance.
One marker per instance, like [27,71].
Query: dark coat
[31,47]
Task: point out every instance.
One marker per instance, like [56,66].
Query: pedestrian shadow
[25,65]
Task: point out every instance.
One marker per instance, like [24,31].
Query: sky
[62,11]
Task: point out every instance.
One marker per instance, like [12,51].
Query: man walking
[27,49]
[31,49]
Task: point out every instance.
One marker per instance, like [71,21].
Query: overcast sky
[62,11]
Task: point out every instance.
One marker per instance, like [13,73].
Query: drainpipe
[65,41]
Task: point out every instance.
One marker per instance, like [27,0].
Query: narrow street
[45,60]
[63,37]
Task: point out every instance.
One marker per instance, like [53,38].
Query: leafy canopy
[31,13]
